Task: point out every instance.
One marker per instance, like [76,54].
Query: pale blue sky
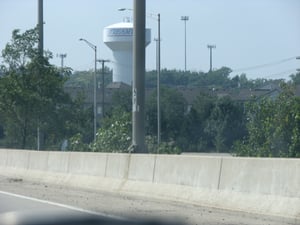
[246,32]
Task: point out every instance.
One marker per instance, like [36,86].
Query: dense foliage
[211,124]
[33,101]
[273,127]
[115,133]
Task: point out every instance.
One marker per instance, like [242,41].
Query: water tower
[119,37]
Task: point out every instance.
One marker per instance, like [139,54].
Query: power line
[265,65]
[286,72]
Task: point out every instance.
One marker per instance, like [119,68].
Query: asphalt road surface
[18,209]
[27,196]
[10,202]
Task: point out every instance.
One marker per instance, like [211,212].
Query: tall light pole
[103,92]
[94,47]
[158,40]
[62,56]
[185,19]
[210,50]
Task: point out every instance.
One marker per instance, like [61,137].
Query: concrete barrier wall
[38,160]
[142,167]
[117,166]
[58,162]
[3,158]
[188,170]
[280,177]
[17,159]
[89,163]
[259,185]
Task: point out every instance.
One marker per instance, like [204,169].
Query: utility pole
[62,56]
[210,50]
[138,88]
[103,86]
[185,19]
[158,40]
[41,51]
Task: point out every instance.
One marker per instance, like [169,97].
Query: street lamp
[103,61]
[124,9]
[94,47]
[184,18]
[158,40]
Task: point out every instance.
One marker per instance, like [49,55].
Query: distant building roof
[191,93]
[118,85]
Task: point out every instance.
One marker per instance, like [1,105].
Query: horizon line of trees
[219,78]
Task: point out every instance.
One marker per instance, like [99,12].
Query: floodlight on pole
[210,47]
[185,19]
[61,56]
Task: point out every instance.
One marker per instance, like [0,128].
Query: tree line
[32,100]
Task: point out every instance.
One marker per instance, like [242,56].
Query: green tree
[31,93]
[122,99]
[171,78]
[225,124]
[273,127]
[115,133]
[85,79]
[213,124]
[219,77]
[194,124]
[77,120]
[295,78]
[173,107]
[191,138]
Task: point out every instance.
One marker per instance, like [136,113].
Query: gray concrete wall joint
[220,173]
[154,168]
